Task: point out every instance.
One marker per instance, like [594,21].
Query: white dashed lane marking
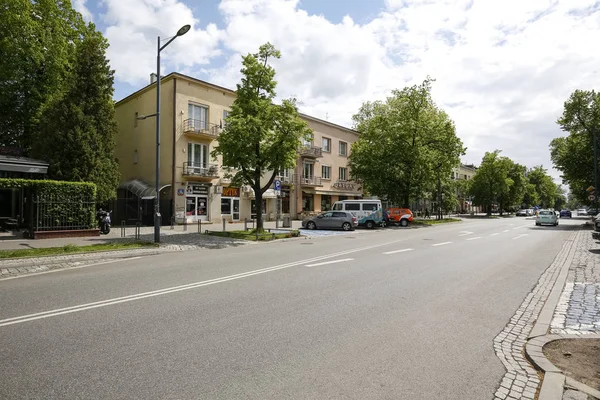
[397,251]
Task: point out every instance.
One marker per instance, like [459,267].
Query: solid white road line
[329,262]
[474,238]
[160,292]
[70,268]
[397,251]
[440,244]
[520,236]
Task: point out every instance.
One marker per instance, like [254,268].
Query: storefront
[308,202]
[285,201]
[325,202]
[230,203]
[196,201]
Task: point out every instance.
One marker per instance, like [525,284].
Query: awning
[22,164]
[268,194]
[140,188]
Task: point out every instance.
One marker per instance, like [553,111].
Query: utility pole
[595,167]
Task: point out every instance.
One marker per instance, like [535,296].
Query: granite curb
[554,381]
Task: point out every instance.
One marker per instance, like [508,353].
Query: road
[387,314]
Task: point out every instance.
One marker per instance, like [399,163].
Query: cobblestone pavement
[578,310]
[521,380]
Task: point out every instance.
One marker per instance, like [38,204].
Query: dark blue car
[565,214]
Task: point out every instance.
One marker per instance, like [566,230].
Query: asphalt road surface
[386,314]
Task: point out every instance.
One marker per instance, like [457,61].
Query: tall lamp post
[157,217]
[596,189]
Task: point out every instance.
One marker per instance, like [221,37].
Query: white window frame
[327,148]
[204,161]
[312,170]
[195,111]
[345,153]
[345,177]
[323,169]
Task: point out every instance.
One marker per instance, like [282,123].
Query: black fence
[133,211]
[53,213]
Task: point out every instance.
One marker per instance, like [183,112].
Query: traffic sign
[591,189]
[591,197]
[277,185]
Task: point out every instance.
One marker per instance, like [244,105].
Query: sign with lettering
[11,151]
[198,189]
[231,191]
[343,185]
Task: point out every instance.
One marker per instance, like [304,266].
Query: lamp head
[183,30]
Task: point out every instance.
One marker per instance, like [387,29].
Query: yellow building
[192,116]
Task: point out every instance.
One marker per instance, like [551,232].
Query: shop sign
[344,185]
[231,191]
[199,189]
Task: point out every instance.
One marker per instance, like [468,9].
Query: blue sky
[503,68]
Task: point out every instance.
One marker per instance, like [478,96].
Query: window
[325,202]
[370,207]
[343,174]
[343,149]
[197,155]
[307,170]
[325,172]
[327,145]
[338,206]
[308,142]
[340,214]
[353,206]
[198,116]
[225,115]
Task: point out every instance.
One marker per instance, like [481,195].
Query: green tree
[491,184]
[37,43]
[560,200]
[573,155]
[518,185]
[78,135]
[545,188]
[405,143]
[260,137]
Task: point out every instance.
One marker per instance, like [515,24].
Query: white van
[369,213]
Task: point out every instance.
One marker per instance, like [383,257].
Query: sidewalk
[179,235]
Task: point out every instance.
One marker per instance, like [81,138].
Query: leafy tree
[573,155]
[37,43]
[405,143]
[518,185]
[545,187]
[560,200]
[260,136]
[491,184]
[78,135]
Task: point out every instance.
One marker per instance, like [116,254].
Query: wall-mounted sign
[343,185]
[180,192]
[231,191]
[198,189]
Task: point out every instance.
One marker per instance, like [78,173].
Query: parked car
[581,212]
[546,217]
[331,220]
[565,214]
[522,213]
[400,216]
[530,212]
[592,211]
[368,212]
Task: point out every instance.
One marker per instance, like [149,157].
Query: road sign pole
[595,168]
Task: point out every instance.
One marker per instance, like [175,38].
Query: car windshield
[546,213]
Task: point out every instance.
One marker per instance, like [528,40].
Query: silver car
[331,220]
[546,217]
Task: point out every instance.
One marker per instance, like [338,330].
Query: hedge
[61,205]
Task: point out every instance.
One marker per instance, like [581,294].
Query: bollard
[245,224]
[138,226]
[224,222]
[172,222]
[123,228]
[199,226]
[185,224]
[277,222]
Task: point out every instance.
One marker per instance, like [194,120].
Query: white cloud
[80,7]
[503,68]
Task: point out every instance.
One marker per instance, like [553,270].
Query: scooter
[104,221]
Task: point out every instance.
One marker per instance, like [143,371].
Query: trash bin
[287,221]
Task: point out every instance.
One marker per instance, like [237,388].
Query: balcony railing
[200,170]
[201,128]
[310,151]
[310,181]
[287,180]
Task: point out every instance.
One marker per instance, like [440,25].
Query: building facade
[193,184]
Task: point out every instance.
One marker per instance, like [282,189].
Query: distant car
[592,211]
[546,217]
[400,216]
[581,212]
[565,214]
[522,213]
[530,211]
[332,220]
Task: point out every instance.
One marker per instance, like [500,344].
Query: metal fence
[53,213]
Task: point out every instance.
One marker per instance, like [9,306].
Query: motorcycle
[103,221]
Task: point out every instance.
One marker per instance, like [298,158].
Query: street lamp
[182,31]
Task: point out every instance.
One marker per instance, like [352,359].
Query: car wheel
[346,226]
[311,225]
[404,222]
[536,224]
[370,224]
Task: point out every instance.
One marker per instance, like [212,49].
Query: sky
[502,68]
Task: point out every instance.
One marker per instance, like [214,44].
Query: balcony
[287,180]
[200,172]
[310,151]
[310,181]
[199,129]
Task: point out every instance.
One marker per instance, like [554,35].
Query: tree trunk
[259,211]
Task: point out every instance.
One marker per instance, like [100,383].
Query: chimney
[152,77]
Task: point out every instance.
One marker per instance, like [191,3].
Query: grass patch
[252,235]
[435,221]
[72,249]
